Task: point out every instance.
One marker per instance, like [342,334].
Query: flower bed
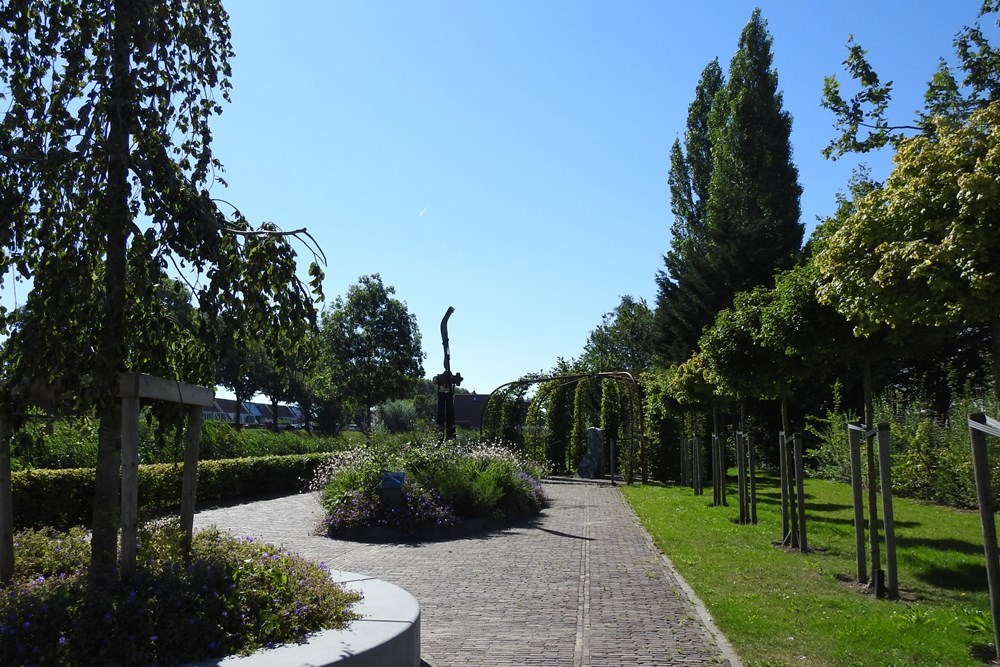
[446,485]
[232,596]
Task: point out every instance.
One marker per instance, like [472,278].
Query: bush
[931,459]
[444,482]
[64,498]
[232,596]
[72,443]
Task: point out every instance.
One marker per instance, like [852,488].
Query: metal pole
[984,490]
[854,433]
[885,472]
[800,490]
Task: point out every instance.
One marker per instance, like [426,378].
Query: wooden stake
[854,434]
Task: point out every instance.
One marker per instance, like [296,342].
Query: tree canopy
[369,346]
[104,190]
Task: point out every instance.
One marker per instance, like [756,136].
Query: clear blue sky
[509,157]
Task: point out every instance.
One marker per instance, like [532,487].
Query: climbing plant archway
[623,379]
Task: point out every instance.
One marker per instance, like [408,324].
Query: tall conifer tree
[753,205]
[680,312]
[734,195]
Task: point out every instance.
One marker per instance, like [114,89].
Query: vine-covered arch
[620,378]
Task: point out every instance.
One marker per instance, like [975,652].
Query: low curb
[388,633]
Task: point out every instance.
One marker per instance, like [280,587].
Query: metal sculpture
[446,383]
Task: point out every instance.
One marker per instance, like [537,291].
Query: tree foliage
[736,217]
[104,188]
[369,346]
[623,341]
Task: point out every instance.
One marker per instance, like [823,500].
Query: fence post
[854,432]
[753,479]
[888,521]
[783,475]
[984,491]
[800,489]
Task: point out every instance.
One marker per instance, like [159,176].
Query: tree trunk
[274,413]
[111,336]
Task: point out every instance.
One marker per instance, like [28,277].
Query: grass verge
[787,608]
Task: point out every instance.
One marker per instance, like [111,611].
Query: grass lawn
[788,608]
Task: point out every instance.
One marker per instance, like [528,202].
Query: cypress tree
[753,205]
[734,195]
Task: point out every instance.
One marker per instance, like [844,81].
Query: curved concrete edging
[387,634]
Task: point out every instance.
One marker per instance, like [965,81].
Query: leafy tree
[623,341]
[104,185]
[370,345]
[923,249]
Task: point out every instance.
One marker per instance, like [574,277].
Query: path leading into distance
[582,585]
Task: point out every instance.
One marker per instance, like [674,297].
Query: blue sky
[509,158]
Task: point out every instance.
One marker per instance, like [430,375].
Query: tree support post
[189,483]
[741,477]
[888,521]
[752,460]
[855,431]
[698,474]
[783,478]
[979,426]
[800,490]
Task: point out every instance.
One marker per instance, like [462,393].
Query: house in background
[253,414]
[469,410]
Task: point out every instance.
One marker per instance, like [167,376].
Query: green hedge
[65,498]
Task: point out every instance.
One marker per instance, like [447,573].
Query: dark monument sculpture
[446,383]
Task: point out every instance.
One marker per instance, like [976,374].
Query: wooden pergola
[132,389]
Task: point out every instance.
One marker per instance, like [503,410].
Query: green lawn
[788,608]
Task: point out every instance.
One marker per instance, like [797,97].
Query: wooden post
[984,490]
[698,474]
[192,439]
[783,477]
[723,470]
[741,478]
[611,460]
[716,493]
[682,459]
[130,483]
[800,490]
[854,434]
[888,522]
[752,459]
[878,576]
[6,508]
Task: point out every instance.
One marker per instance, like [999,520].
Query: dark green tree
[370,346]
[683,286]
[753,205]
[104,186]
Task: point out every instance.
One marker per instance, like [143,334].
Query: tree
[623,341]
[753,206]
[682,287]
[104,185]
[923,249]
[370,344]
[738,231]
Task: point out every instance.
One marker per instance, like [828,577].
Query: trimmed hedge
[64,498]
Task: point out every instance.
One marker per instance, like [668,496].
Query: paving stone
[580,586]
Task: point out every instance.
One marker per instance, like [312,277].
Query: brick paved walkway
[582,586]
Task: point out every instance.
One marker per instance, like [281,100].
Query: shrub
[931,459]
[64,498]
[465,481]
[233,596]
